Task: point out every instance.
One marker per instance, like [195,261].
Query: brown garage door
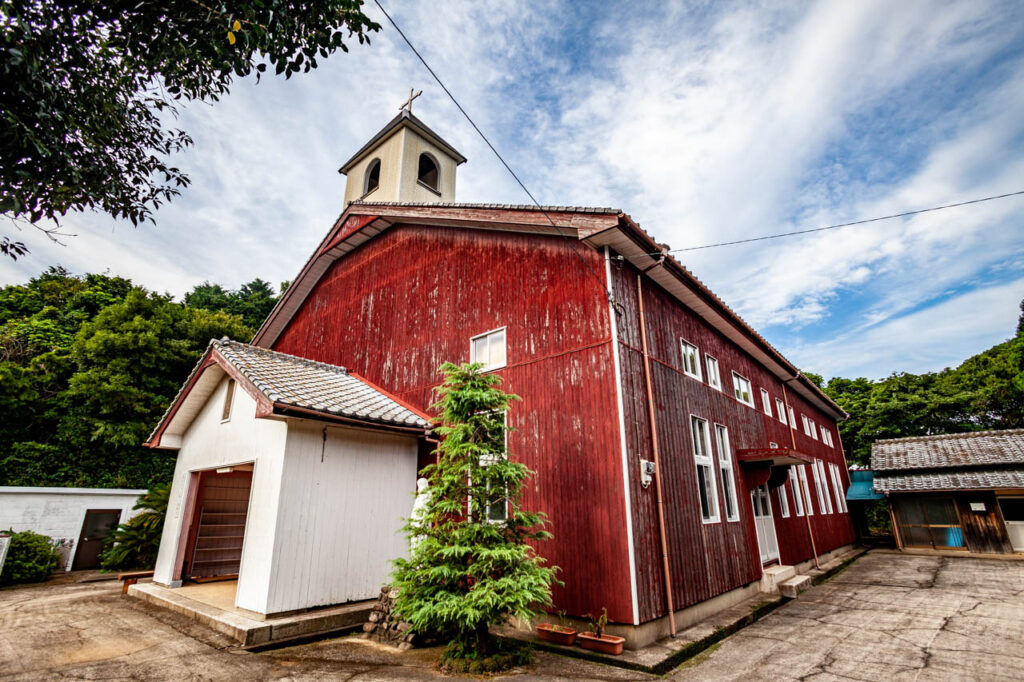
[222,506]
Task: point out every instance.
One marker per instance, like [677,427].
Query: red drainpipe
[657,462]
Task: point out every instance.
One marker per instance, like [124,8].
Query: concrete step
[773,576]
[794,586]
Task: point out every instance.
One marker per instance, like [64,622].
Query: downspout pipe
[799,482]
[657,461]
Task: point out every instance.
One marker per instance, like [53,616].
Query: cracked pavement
[887,617]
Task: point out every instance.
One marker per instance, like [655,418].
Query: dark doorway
[222,506]
[98,525]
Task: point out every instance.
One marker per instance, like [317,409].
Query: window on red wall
[706,488]
[691,359]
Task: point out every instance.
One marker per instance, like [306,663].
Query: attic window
[229,393]
[428,174]
[372,177]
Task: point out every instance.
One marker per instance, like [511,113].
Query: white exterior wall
[210,443]
[343,504]
[60,512]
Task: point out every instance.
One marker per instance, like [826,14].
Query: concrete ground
[886,617]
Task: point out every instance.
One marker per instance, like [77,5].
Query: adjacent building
[962,491]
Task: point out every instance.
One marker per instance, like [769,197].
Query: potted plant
[597,640]
[557,634]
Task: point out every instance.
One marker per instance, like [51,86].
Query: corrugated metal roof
[978,479]
[298,382]
[973,449]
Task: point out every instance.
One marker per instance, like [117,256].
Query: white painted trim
[711,464]
[622,442]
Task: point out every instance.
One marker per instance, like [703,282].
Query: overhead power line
[833,227]
[448,92]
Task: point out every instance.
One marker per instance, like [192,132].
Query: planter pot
[605,644]
[556,634]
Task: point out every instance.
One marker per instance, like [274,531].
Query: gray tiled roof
[297,382]
[982,479]
[974,449]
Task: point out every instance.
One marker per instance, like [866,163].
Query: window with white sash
[766,402]
[742,390]
[792,417]
[837,487]
[706,488]
[488,349]
[714,378]
[798,500]
[783,501]
[824,502]
[732,512]
[780,408]
[802,472]
[691,359]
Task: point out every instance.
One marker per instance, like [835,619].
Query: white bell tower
[406,162]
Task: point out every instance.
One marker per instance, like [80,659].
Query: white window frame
[802,472]
[794,483]
[826,436]
[814,429]
[488,366]
[824,503]
[766,402]
[714,375]
[805,422]
[792,417]
[690,356]
[780,407]
[837,487]
[783,501]
[736,392]
[705,463]
[725,467]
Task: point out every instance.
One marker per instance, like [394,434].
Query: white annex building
[293,477]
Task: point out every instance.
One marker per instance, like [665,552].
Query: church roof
[285,385]
[404,118]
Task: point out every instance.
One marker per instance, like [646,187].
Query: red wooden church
[679,457]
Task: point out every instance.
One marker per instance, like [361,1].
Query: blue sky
[705,121]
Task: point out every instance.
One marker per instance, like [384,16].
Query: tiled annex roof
[973,449]
[978,479]
[298,382]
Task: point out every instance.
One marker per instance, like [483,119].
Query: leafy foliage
[86,89]
[252,302]
[87,366]
[134,544]
[985,392]
[31,558]
[470,568]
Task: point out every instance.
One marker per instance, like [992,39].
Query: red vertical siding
[411,298]
[706,559]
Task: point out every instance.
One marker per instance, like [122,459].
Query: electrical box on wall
[646,472]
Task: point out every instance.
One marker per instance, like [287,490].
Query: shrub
[135,543]
[31,558]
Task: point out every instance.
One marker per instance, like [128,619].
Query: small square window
[489,349]
[691,359]
[742,389]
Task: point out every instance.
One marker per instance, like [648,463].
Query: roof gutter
[285,410]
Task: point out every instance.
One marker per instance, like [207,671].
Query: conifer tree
[471,564]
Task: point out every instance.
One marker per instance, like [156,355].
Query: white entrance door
[764,523]
[1013,515]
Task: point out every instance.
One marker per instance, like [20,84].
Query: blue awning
[862,487]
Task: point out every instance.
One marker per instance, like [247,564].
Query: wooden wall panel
[408,300]
[984,531]
[706,559]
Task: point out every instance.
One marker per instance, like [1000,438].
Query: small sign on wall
[978,506]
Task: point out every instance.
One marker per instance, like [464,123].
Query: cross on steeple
[407,106]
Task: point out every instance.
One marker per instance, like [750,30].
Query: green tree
[135,543]
[86,90]
[470,568]
[252,302]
